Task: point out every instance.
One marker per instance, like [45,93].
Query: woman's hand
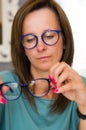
[69,83]
[2,99]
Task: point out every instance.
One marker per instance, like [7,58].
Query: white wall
[75,10]
[9,8]
[8,11]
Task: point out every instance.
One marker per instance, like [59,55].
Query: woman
[42,48]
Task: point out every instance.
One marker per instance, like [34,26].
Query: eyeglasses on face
[37,88]
[49,37]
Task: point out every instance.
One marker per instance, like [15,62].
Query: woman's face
[43,57]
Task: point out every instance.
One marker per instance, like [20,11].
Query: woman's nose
[41,46]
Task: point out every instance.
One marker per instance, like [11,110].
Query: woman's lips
[44,58]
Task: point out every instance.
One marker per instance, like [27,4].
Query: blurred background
[8,9]
[75,11]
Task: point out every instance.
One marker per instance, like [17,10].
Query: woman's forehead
[42,18]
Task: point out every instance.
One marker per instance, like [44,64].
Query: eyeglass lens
[38,87]
[11,91]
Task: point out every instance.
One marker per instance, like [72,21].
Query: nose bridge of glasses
[40,40]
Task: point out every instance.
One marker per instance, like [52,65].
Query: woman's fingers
[68,82]
[58,69]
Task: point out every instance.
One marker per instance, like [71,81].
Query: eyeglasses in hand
[37,88]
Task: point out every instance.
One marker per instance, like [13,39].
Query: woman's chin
[45,67]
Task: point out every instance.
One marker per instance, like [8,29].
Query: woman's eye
[49,37]
[30,40]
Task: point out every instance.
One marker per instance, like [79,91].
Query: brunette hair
[19,59]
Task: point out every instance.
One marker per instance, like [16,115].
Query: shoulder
[8,76]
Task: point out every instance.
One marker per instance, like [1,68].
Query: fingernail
[50,77]
[52,80]
[55,90]
[3,101]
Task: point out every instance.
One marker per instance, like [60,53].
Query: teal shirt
[19,115]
